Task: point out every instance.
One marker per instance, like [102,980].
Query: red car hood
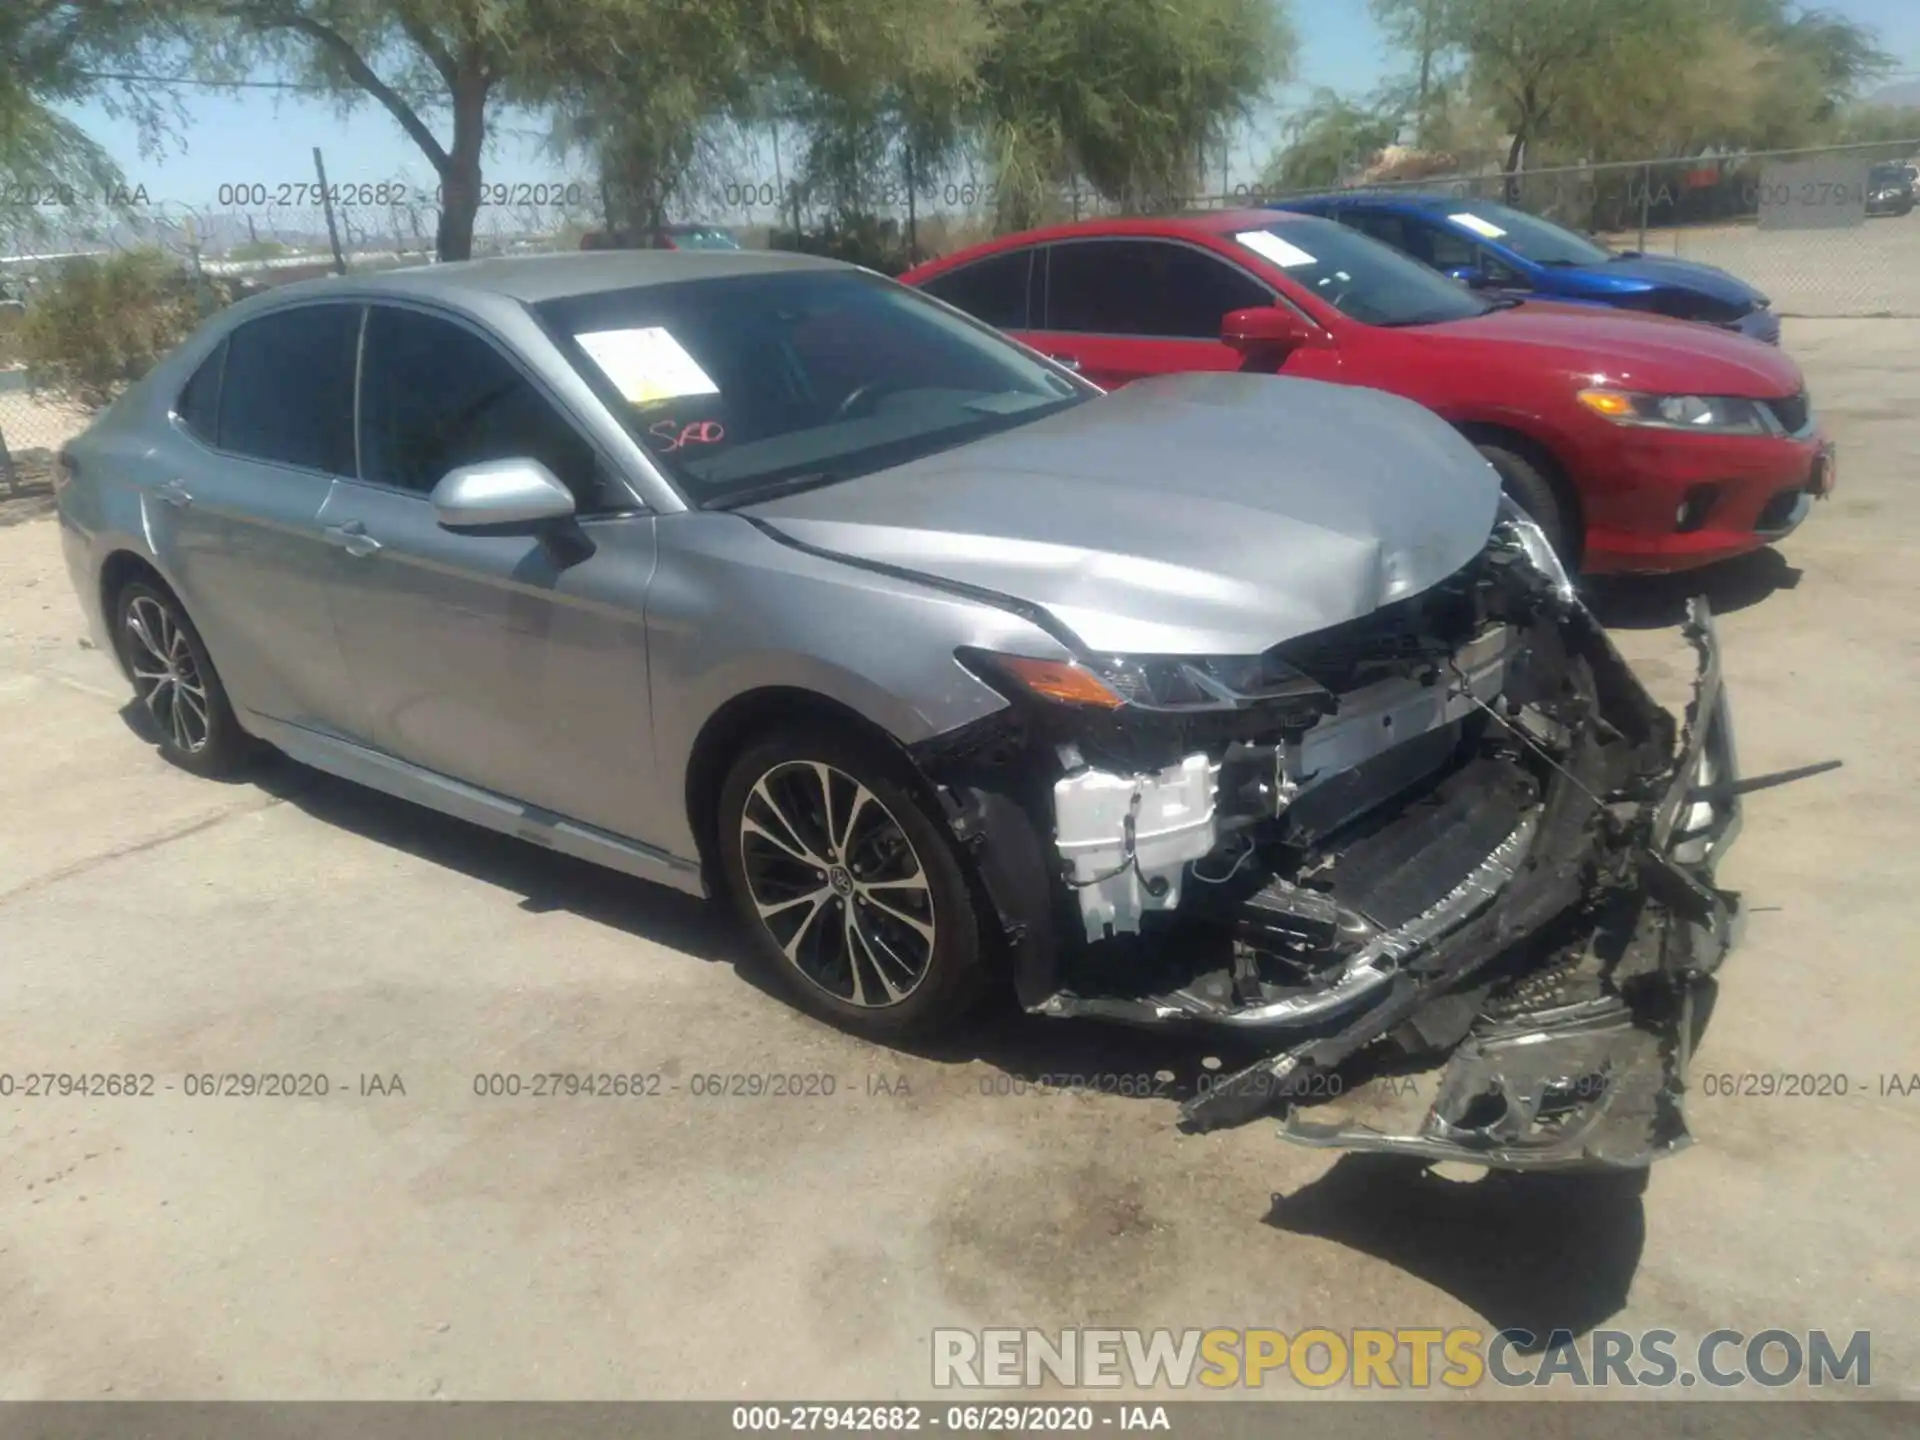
[1645,352]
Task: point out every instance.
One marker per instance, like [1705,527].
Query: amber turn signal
[1614,404]
[1060,680]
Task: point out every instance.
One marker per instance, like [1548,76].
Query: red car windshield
[1360,277]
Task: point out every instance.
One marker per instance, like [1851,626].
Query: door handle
[175,493]
[1066,362]
[351,536]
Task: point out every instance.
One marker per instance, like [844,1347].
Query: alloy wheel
[166,677]
[837,884]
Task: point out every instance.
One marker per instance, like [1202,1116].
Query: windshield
[751,383]
[1528,236]
[1887,175]
[703,239]
[1360,276]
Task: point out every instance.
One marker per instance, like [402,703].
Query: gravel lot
[434,1243]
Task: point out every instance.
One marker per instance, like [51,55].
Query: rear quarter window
[198,404]
[286,392]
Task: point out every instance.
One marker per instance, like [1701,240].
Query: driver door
[515,662]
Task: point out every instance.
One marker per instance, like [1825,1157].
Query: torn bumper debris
[1581,1063]
[1468,844]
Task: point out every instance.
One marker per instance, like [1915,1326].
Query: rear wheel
[1532,490]
[851,890]
[176,684]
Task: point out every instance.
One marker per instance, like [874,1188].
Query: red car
[1639,443]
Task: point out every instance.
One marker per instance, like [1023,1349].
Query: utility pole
[326,204]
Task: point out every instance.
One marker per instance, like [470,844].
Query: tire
[878,936]
[1534,493]
[176,684]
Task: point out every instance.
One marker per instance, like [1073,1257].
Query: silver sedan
[1225,700]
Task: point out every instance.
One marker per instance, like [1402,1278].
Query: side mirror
[1468,276]
[500,492]
[1265,327]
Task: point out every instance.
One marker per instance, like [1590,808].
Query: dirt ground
[437,1243]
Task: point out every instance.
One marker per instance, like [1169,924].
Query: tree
[453,64]
[1534,61]
[49,166]
[881,141]
[1896,126]
[1417,27]
[1327,140]
[1127,94]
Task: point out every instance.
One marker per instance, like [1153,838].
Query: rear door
[259,436]
[516,662]
[1127,308]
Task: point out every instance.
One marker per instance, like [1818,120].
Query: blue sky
[266,137]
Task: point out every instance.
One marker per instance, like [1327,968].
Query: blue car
[1495,247]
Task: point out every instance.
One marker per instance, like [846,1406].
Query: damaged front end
[1456,833]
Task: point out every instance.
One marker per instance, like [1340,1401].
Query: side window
[1144,287]
[1387,229]
[993,291]
[199,404]
[286,393]
[435,395]
[1499,273]
[1445,250]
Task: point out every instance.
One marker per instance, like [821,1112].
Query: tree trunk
[913,214]
[460,176]
[1426,73]
[1516,156]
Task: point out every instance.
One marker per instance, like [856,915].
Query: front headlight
[1147,682]
[1533,543]
[1710,414]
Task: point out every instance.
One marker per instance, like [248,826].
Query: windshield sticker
[1281,252]
[647,365]
[673,436]
[1477,225]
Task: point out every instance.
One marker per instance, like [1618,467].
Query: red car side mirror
[1265,327]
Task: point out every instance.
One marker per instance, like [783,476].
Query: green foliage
[98,325]
[865,240]
[45,49]
[1328,141]
[1125,94]
[1571,81]
[1894,125]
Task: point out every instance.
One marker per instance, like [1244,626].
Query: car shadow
[1086,1055]
[1082,1055]
[1658,602]
[543,879]
[1091,1056]
[1528,1253]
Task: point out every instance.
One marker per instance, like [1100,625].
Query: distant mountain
[1903,94]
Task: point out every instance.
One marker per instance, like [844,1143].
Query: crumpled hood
[1662,272]
[1188,514]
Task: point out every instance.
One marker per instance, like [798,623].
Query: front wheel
[851,889]
[1530,489]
